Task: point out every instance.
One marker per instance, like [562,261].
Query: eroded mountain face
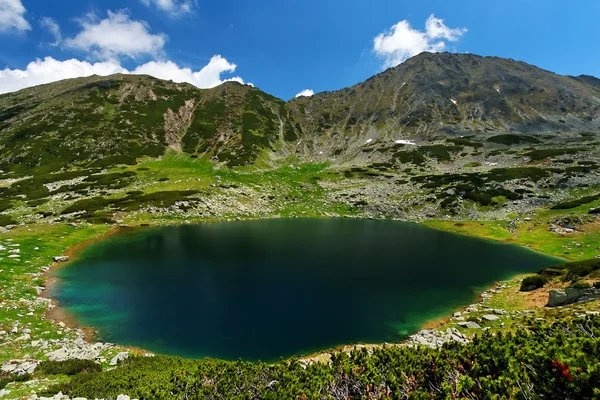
[432,109]
[103,121]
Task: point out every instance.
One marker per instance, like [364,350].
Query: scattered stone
[119,357]
[490,317]
[469,325]
[61,258]
[20,367]
[436,338]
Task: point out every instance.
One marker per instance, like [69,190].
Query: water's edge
[61,315]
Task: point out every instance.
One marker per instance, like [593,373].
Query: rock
[557,297]
[78,349]
[574,294]
[123,397]
[490,317]
[470,325]
[119,357]
[20,367]
[60,258]
[457,314]
[499,311]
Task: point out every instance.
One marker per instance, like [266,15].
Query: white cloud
[402,41]
[50,70]
[116,36]
[51,26]
[207,77]
[172,7]
[12,16]
[305,93]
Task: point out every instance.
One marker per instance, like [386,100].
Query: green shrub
[7,220]
[533,282]
[68,367]
[6,378]
[580,285]
[513,139]
[580,269]
[597,285]
[557,361]
[576,203]
[537,155]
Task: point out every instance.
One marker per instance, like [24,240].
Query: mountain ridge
[86,120]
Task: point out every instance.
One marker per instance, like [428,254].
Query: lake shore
[62,316]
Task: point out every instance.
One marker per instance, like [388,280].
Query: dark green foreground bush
[540,361]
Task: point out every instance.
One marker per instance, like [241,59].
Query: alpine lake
[263,290]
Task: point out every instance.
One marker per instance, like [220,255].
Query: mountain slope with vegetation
[475,145]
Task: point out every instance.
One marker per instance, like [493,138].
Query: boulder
[470,325]
[490,317]
[574,294]
[60,258]
[557,297]
[119,357]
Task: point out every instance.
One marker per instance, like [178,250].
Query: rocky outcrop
[561,297]
[119,357]
[78,349]
[436,338]
[20,367]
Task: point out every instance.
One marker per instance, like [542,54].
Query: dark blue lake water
[274,288]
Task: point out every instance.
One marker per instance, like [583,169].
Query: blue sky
[283,46]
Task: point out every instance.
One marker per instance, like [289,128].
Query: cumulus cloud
[173,8]
[52,27]
[401,41]
[207,77]
[116,36]
[305,93]
[12,16]
[50,70]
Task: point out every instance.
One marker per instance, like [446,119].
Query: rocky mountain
[452,95]
[430,100]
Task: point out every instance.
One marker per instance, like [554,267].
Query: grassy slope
[295,193]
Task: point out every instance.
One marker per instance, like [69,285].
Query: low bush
[580,285]
[580,269]
[6,378]
[533,282]
[576,203]
[540,361]
[68,367]
[513,139]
